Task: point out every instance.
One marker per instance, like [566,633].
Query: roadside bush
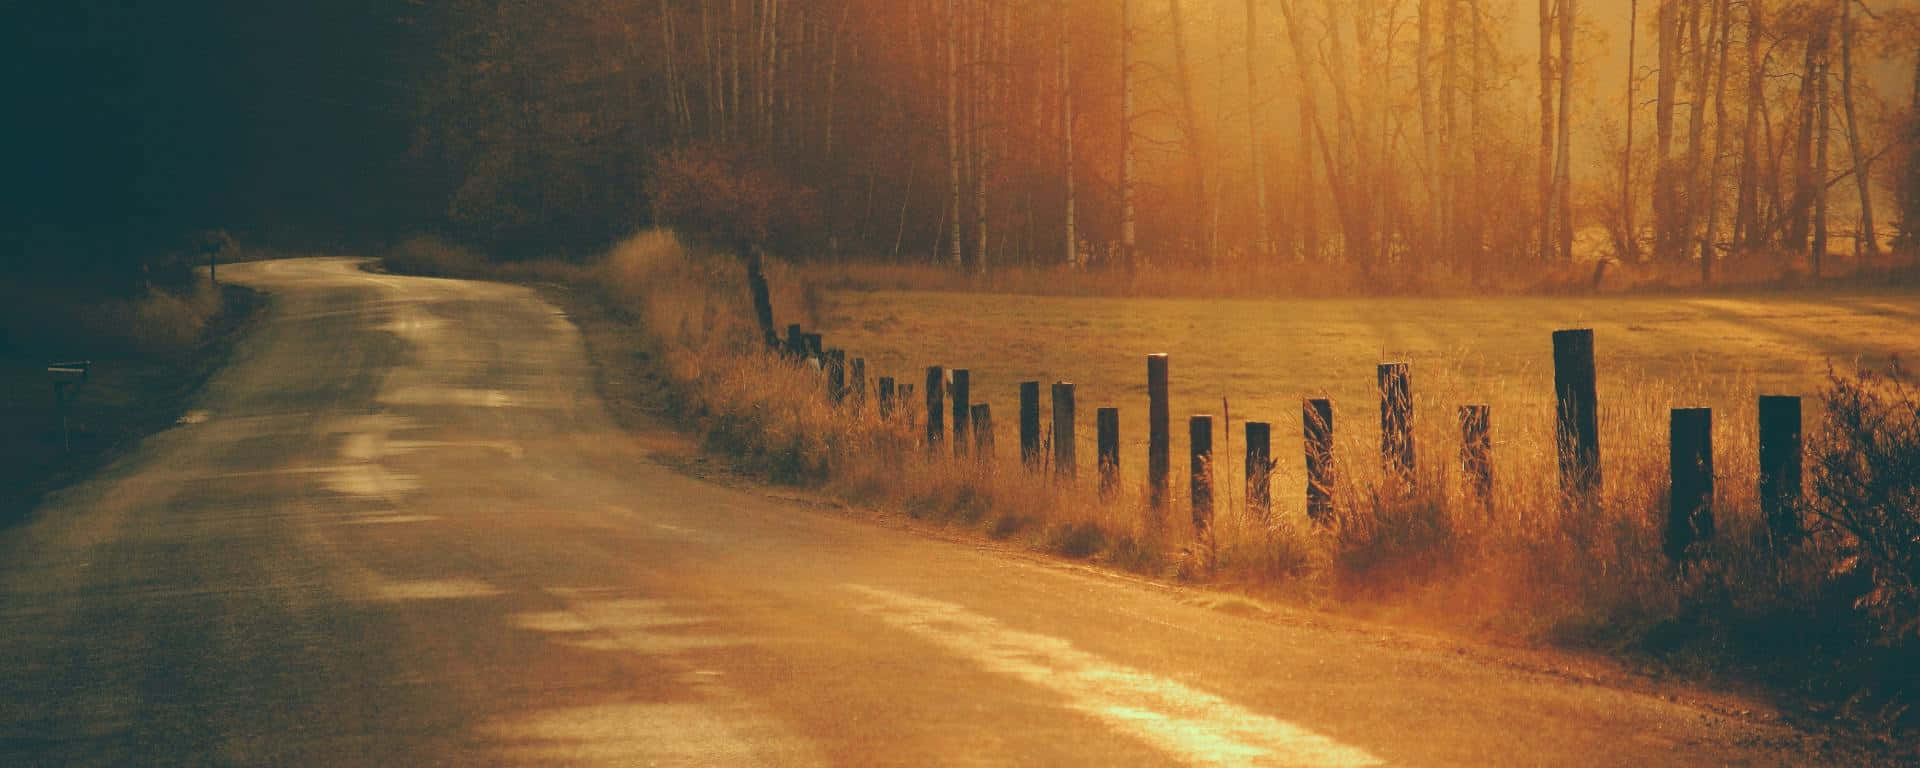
[431,256]
[1866,483]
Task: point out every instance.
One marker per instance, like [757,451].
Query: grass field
[1525,565]
[1264,356]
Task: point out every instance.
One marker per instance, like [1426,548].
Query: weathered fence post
[1690,457]
[962,408]
[883,390]
[982,428]
[1159,427]
[1063,462]
[936,404]
[1396,421]
[1107,427]
[1577,425]
[857,380]
[1200,442]
[1780,467]
[836,365]
[1476,452]
[813,347]
[1030,423]
[1260,469]
[796,342]
[1316,418]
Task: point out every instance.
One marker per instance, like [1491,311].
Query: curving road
[400,529]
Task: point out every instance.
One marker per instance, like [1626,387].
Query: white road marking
[1193,726]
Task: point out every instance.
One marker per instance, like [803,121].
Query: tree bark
[1746,216]
[1071,234]
[1263,242]
[1629,250]
[1708,240]
[1564,161]
[1868,240]
[1127,242]
[954,181]
[1665,210]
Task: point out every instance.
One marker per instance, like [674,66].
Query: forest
[1408,141]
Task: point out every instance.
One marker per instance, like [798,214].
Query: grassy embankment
[1522,568]
[150,355]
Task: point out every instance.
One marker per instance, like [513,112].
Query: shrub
[1867,494]
[433,257]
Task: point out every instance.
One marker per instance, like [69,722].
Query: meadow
[1256,359]
[1524,566]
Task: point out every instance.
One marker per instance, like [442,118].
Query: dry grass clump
[1524,562]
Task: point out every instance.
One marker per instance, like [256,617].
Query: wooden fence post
[883,390]
[836,365]
[1030,424]
[1158,428]
[1316,418]
[1396,422]
[813,347]
[1690,459]
[1107,425]
[1476,453]
[961,385]
[857,380]
[1577,425]
[796,342]
[936,404]
[1259,469]
[1780,467]
[982,428]
[1200,442]
[1063,462]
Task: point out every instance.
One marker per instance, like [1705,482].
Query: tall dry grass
[1525,562]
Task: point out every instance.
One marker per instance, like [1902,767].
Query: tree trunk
[1423,83]
[1712,186]
[1309,118]
[1820,166]
[1804,178]
[1563,173]
[1868,240]
[1697,119]
[1071,234]
[1127,241]
[1628,243]
[1746,216]
[1263,242]
[954,181]
[1190,127]
[1665,209]
[1908,189]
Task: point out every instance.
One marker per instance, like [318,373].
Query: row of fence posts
[949,401]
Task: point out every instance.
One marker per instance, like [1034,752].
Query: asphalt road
[400,529]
